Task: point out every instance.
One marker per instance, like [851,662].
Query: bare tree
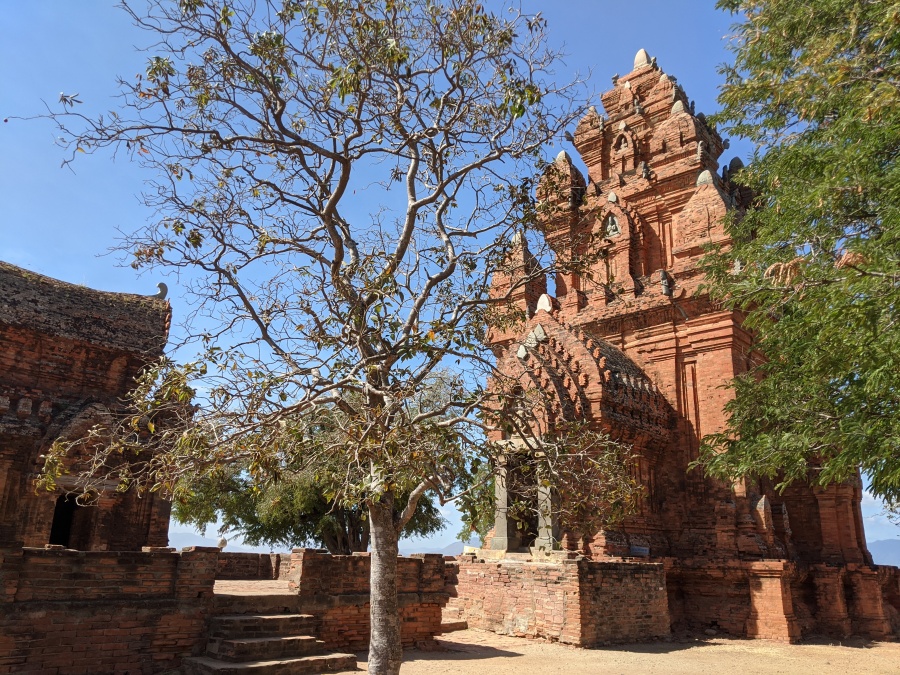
[335,183]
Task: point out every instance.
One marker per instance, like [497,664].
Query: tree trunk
[385,649]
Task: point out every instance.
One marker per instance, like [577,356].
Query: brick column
[771,607]
[831,604]
[866,604]
[197,573]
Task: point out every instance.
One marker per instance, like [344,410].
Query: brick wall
[704,595]
[95,612]
[621,602]
[585,603]
[783,600]
[336,589]
[253,566]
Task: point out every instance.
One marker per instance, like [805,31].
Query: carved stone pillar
[501,540]
[547,528]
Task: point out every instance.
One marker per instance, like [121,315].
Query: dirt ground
[473,651]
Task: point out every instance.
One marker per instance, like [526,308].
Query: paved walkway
[269,587]
[473,651]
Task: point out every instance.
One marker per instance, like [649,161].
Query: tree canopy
[815,266]
[291,512]
[335,183]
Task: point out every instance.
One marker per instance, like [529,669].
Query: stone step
[251,649]
[322,663]
[243,626]
[226,603]
[451,626]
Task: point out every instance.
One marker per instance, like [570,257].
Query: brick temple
[68,356]
[631,345]
[635,347]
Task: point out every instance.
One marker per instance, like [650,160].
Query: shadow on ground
[682,642]
[448,650]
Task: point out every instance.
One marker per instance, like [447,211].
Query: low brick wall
[583,602]
[92,612]
[252,566]
[335,588]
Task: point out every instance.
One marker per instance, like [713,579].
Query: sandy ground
[473,651]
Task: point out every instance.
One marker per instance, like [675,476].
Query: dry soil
[483,653]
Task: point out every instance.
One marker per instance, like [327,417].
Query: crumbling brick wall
[99,612]
[583,602]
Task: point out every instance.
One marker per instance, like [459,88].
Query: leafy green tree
[815,266]
[290,512]
[336,182]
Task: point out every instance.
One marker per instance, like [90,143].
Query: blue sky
[61,223]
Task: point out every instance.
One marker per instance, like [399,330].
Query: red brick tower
[633,345]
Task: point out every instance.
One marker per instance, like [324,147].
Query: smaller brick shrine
[68,354]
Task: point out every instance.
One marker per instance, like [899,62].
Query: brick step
[250,649]
[225,603]
[451,626]
[243,626]
[322,663]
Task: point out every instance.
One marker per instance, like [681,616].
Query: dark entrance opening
[63,518]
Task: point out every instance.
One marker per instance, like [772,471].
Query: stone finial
[545,302]
[641,59]
[705,178]
[612,198]
[615,79]
[677,107]
[563,157]
[222,543]
[162,291]
[735,164]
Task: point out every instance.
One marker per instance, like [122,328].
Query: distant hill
[885,551]
[181,539]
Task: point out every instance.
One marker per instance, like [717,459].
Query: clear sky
[61,223]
